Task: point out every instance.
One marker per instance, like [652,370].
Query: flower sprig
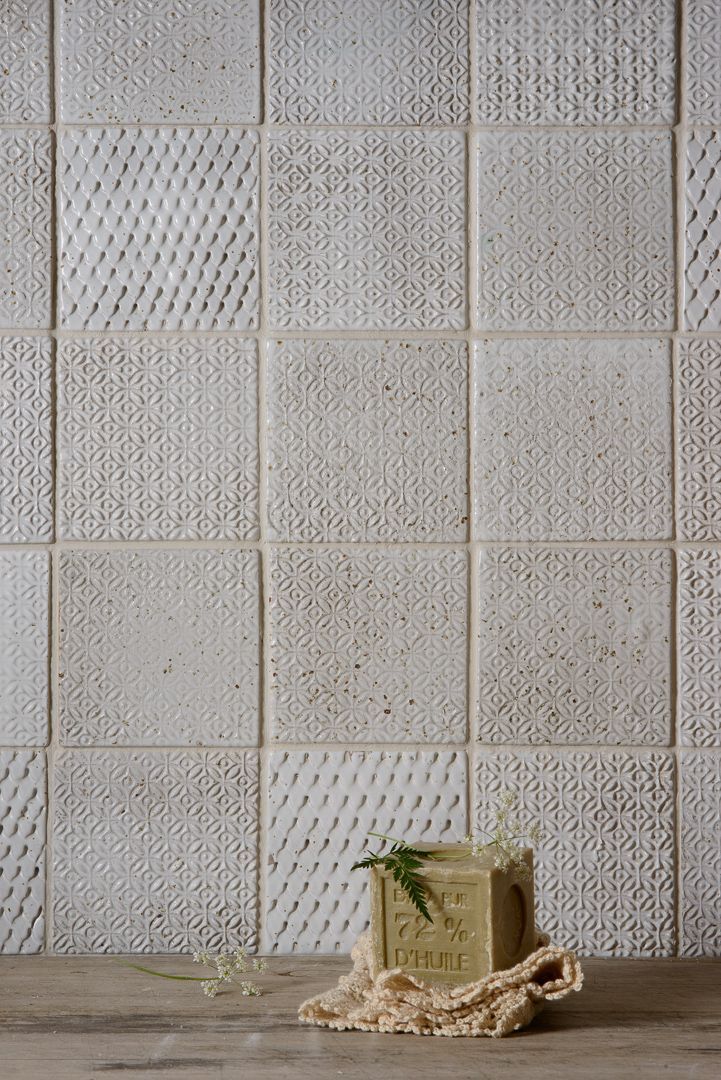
[228,966]
[504,837]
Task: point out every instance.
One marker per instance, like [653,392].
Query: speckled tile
[25,48]
[367,440]
[699,617]
[368,645]
[26,472]
[22,851]
[699,440]
[24,585]
[159,647]
[703,61]
[700,853]
[702,304]
[25,229]
[322,805]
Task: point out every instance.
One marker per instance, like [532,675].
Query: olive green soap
[483,917]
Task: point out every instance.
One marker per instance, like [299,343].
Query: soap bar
[483,917]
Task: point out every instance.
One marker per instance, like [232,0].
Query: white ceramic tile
[702,310]
[551,62]
[368,645]
[366,229]
[22,851]
[699,440]
[575,230]
[703,61]
[699,576]
[368,440]
[575,646]
[26,478]
[700,854]
[369,61]
[157,438]
[159,229]
[573,439]
[25,228]
[25,62]
[159,647]
[605,866]
[322,805]
[23,648]
[154,851]
[188,61]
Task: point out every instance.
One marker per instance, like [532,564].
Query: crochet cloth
[394,1001]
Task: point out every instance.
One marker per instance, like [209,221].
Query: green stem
[162,974]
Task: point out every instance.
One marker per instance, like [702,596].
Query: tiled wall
[360,455]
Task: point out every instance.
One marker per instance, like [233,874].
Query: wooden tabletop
[91,1018]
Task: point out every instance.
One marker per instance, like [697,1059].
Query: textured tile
[154,851]
[551,62]
[22,851]
[25,236]
[575,646]
[25,62]
[575,230]
[159,647]
[159,229]
[605,865]
[702,309]
[23,648]
[26,479]
[699,440]
[368,440]
[193,61]
[703,62]
[573,440]
[322,805]
[368,646]
[700,854]
[369,62]
[699,577]
[366,229]
[158,438]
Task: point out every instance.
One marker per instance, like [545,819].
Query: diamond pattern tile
[699,579]
[24,584]
[25,228]
[703,62]
[25,62]
[26,479]
[700,854]
[699,440]
[22,851]
[703,231]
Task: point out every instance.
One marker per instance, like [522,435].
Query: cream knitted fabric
[394,1001]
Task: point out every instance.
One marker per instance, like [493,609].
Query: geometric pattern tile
[699,440]
[605,864]
[368,440]
[25,62]
[369,61]
[575,646]
[699,619]
[187,61]
[700,854]
[155,851]
[25,228]
[159,648]
[157,439]
[368,645]
[702,309]
[23,648]
[575,230]
[22,851]
[159,229]
[367,229]
[703,62]
[573,439]
[26,479]
[322,806]
[551,62]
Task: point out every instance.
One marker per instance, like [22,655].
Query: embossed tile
[25,62]
[368,440]
[366,229]
[699,440]
[193,61]
[154,851]
[702,309]
[25,238]
[551,62]
[368,61]
[322,805]
[158,438]
[159,229]
[575,230]
[368,646]
[22,851]
[26,480]
[23,648]
[605,865]
[699,576]
[700,854]
[159,647]
[573,439]
[703,62]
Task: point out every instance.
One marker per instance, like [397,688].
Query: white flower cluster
[504,837]
[228,966]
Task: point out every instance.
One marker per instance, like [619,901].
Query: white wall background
[360,456]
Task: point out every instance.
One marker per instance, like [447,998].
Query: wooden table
[91,1018]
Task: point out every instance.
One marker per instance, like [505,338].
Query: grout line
[316,126]
[271,746]
[406,334]
[472,293]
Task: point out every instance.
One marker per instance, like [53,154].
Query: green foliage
[403,862]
